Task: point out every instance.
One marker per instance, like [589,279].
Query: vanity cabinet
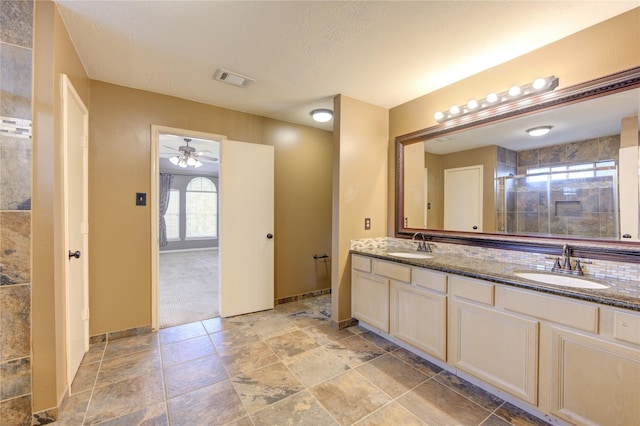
[370,293]
[419,312]
[495,346]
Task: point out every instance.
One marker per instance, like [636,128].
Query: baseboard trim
[339,325]
[302,296]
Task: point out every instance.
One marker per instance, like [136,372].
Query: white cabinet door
[370,300]
[419,318]
[496,347]
[594,382]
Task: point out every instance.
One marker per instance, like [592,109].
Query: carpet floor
[188,287]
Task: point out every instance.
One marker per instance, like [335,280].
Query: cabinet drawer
[572,314]
[429,279]
[361,263]
[626,327]
[392,270]
[472,290]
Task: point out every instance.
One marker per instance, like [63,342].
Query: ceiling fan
[188,156]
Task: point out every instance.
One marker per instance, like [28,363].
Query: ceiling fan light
[174,160]
[191,161]
[539,131]
[198,164]
[322,115]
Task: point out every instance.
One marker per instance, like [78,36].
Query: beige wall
[605,48]
[54,55]
[119,166]
[359,188]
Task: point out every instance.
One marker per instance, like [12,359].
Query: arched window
[201,209]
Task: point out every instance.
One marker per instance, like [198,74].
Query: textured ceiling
[303,53]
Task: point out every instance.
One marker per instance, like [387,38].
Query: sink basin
[563,280]
[407,255]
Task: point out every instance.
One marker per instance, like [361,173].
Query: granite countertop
[503,273]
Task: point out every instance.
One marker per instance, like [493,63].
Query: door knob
[269,236]
[75,254]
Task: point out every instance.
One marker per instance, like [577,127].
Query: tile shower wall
[16,35]
[577,207]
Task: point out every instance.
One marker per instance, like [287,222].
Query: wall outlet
[367,223]
[141,199]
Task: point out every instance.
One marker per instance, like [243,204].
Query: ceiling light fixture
[187,156]
[322,115]
[514,94]
[539,131]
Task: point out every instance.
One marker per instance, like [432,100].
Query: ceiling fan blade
[206,157]
[170,147]
[201,152]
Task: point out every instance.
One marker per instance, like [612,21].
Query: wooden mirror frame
[623,251]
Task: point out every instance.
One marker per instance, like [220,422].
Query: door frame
[154,192]
[69,94]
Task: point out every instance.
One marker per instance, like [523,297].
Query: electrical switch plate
[367,223]
[141,199]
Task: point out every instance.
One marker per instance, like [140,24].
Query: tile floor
[281,367]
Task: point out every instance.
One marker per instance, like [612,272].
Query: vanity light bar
[515,93]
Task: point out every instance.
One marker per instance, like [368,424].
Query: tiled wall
[577,207]
[16,35]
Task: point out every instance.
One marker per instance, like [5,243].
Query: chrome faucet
[424,245]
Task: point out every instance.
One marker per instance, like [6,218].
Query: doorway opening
[186,257]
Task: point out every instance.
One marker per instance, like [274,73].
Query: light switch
[141,199]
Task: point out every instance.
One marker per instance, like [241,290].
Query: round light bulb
[472,104]
[515,91]
[454,110]
[539,131]
[438,116]
[492,97]
[539,83]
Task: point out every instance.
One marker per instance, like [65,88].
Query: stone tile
[44,417]
[189,376]
[255,317]
[391,375]
[15,71]
[15,321]
[15,247]
[265,386]
[435,403]
[130,345]
[16,23]
[153,415]
[130,332]
[552,155]
[185,350]
[609,147]
[517,416]
[355,350]
[125,397]
[15,172]
[233,337]
[315,366]
[245,421]
[121,368]
[271,327]
[349,397]
[379,341]
[494,420]
[16,411]
[85,378]
[299,409]
[469,390]
[15,378]
[528,158]
[582,151]
[324,333]
[292,307]
[214,405]
[242,359]
[391,414]
[94,354]
[308,318]
[182,332]
[73,409]
[291,344]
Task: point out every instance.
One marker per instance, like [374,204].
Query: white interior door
[75,139]
[246,191]
[463,199]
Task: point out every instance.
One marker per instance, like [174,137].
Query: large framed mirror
[484,180]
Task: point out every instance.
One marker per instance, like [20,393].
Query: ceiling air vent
[232,78]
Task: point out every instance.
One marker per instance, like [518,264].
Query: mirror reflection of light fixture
[514,94]
[187,157]
[322,115]
[539,131]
